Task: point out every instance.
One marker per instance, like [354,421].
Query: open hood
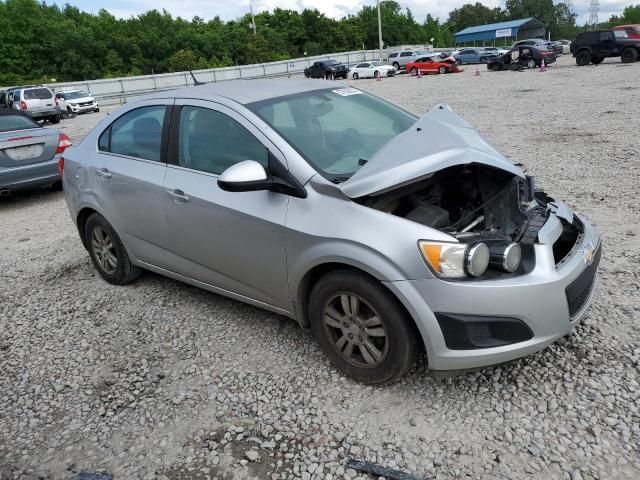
[439,139]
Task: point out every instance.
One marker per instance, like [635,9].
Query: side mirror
[247,176]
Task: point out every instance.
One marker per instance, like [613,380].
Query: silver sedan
[387,234]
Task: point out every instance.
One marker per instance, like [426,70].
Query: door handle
[104,173]
[178,196]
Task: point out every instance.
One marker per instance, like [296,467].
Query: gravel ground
[162,380]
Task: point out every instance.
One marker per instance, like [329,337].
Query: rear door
[38,99]
[127,173]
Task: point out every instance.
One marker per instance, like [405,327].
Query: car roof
[248,91]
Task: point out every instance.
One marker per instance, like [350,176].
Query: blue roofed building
[501,33]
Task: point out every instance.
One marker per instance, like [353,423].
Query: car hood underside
[439,139]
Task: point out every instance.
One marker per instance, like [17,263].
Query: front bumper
[30,176]
[539,299]
[83,108]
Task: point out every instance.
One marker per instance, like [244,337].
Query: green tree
[183,60]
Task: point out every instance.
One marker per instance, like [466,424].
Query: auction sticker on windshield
[345,92]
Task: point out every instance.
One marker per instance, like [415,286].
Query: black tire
[483,59]
[597,60]
[69,111]
[376,74]
[414,72]
[124,271]
[583,58]
[442,70]
[97,110]
[396,65]
[531,64]
[398,347]
[355,76]
[344,76]
[55,118]
[629,55]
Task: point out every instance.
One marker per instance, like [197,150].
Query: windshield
[330,62]
[76,94]
[377,64]
[10,123]
[335,130]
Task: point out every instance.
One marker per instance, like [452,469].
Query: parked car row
[41,104]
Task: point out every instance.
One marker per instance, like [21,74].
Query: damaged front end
[463,187]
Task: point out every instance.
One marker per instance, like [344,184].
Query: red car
[632,31]
[433,65]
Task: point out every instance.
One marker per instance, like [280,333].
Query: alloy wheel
[104,250]
[355,330]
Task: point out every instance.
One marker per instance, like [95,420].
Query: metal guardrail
[116,90]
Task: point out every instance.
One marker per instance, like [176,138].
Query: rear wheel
[597,60]
[107,252]
[362,328]
[442,70]
[583,58]
[629,55]
[414,71]
[55,118]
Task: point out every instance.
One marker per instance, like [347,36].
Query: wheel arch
[314,274]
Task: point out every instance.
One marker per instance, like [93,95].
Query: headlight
[455,260]
[506,257]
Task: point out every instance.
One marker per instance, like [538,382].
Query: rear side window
[604,36]
[393,55]
[38,94]
[406,54]
[137,133]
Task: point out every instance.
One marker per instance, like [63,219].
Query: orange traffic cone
[378,76]
[543,67]
[477,74]
[419,74]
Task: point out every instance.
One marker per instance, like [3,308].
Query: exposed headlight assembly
[455,260]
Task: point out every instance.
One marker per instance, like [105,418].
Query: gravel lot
[162,380]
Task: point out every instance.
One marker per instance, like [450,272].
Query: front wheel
[583,58]
[55,118]
[442,70]
[355,76]
[629,55]
[362,328]
[396,65]
[97,109]
[414,71]
[107,252]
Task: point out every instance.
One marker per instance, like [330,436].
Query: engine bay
[470,202]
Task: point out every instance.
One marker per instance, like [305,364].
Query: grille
[85,104]
[578,291]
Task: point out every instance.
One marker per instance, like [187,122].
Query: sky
[231,9]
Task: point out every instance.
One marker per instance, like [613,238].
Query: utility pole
[253,19]
[379,30]
[594,10]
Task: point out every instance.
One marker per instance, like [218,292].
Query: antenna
[594,10]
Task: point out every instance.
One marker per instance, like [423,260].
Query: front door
[231,240]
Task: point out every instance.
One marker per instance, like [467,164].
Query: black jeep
[326,69]
[594,47]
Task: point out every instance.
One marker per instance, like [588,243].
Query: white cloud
[229,9]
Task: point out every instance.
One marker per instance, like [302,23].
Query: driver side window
[210,141]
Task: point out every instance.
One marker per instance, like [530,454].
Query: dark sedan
[522,57]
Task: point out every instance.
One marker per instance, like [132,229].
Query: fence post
[155,84]
[186,80]
[214,75]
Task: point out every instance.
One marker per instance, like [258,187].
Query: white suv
[36,101]
[400,59]
[77,101]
